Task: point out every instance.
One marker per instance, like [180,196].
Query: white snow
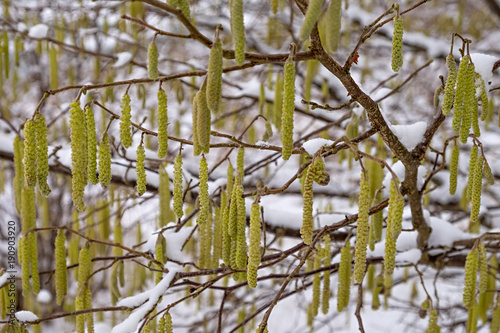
[483,64]
[444,233]
[44,296]
[26,316]
[263,144]
[410,135]
[123,59]
[313,145]
[38,31]
[174,241]
[152,296]
[411,256]
[3,279]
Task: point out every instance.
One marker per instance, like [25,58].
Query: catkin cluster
[140,170]
[105,161]
[162,124]
[153,60]
[397,44]
[60,281]
[312,14]
[362,230]
[238,30]
[77,124]
[178,189]
[91,146]
[344,285]
[471,266]
[254,245]
[214,76]
[125,122]
[449,88]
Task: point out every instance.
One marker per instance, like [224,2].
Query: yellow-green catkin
[344,285]
[5,51]
[362,233]
[483,268]
[140,170]
[60,280]
[325,295]
[91,146]
[312,14]
[470,106]
[455,153]
[18,171]
[394,221]
[306,231]
[164,193]
[488,174]
[25,265]
[240,163]
[77,124]
[476,188]
[214,75]
[333,24]
[238,30]
[105,161]
[316,286]
[254,245]
[433,326]
[483,96]
[449,88]
[203,118]
[471,266]
[375,176]
[125,122]
[397,43]
[178,188]
[160,256]
[162,124]
[84,266]
[472,167]
[42,166]
[241,240]
[460,93]
[203,197]
[30,152]
[274,6]
[53,64]
[288,109]
[495,318]
[153,60]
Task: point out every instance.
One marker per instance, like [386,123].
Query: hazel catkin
[397,44]
[60,281]
[238,30]
[30,152]
[153,60]
[476,187]
[344,284]
[214,76]
[306,231]
[460,93]
[449,88]
[77,124]
[18,172]
[140,170]
[91,146]
[333,24]
[105,161]
[455,153]
[125,122]
[471,266]
[288,109]
[254,245]
[311,17]
[362,231]
[162,123]
[178,189]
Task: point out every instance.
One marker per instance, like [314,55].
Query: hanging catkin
[306,231]
[178,188]
[60,280]
[160,257]
[471,266]
[105,161]
[278,102]
[18,171]
[214,75]
[449,88]
[483,268]
[397,42]
[476,186]
[288,107]
[140,170]
[42,166]
[483,96]
[394,221]
[125,122]
[238,30]
[462,81]
[344,285]
[312,14]
[164,192]
[162,124]
[30,153]
[470,104]
[433,326]
[153,60]
[203,197]
[54,79]
[77,124]
[203,118]
[91,146]
[362,233]
[455,153]
[254,245]
[325,296]
[472,167]
[333,20]
[241,240]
